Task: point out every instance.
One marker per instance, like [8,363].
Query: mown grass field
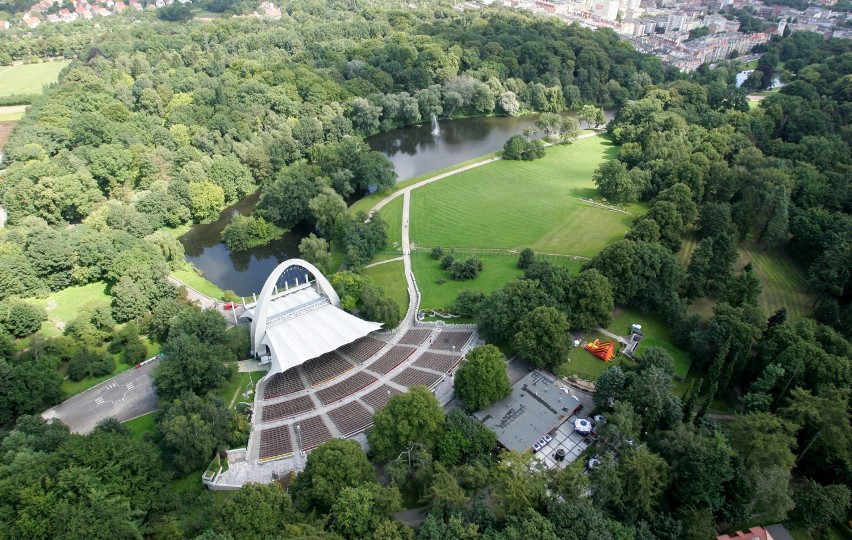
[513,205]
[498,269]
[11,117]
[364,204]
[392,214]
[29,78]
[784,281]
[391,277]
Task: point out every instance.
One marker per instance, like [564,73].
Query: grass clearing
[392,214]
[514,204]
[652,324]
[29,78]
[140,425]
[11,117]
[72,388]
[64,306]
[784,282]
[391,277]
[231,393]
[199,283]
[587,366]
[498,269]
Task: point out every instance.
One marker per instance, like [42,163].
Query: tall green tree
[481,379]
[412,418]
[543,338]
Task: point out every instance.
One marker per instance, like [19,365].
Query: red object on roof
[601,349]
[755,533]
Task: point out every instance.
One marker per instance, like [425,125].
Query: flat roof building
[537,405]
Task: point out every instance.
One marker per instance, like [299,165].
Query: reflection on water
[243,272]
[413,150]
[416,150]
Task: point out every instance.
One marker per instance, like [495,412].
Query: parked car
[230,305]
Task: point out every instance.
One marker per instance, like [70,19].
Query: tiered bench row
[313,432]
[417,377]
[326,367]
[282,384]
[446,340]
[394,357]
[362,349]
[287,409]
[275,443]
[439,362]
[351,418]
[346,387]
[378,398]
[415,336]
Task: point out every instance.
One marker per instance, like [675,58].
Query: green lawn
[11,117]
[140,425]
[391,277]
[199,283]
[586,365]
[515,204]
[652,324]
[65,305]
[783,280]
[366,203]
[29,78]
[392,214]
[498,269]
[232,392]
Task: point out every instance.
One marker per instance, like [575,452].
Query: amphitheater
[329,371]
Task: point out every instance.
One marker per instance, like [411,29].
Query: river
[414,150]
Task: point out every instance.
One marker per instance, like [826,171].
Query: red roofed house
[755,533]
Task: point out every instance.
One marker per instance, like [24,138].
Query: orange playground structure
[602,350]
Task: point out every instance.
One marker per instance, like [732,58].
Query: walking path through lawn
[413,291]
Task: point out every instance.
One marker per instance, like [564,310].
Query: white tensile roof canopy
[302,321]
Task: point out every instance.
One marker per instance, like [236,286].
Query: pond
[743,75]
[414,150]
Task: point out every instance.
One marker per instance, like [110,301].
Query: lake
[414,150]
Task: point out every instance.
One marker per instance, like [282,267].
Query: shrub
[23,318]
[447,261]
[466,269]
[526,258]
[437,252]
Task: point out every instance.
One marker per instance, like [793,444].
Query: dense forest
[157,125]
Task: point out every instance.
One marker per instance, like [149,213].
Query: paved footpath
[125,396]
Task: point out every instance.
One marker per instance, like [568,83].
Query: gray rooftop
[537,405]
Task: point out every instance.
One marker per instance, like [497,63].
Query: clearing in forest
[29,78]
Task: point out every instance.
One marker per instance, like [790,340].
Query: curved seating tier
[362,349]
[439,362]
[417,377]
[275,443]
[378,398]
[415,336]
[394,357]
[345,388]
[314,432]
[282,384]
[445,341]
[326,367]
[351,418]
[286,409]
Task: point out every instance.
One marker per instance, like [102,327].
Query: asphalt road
[125,396]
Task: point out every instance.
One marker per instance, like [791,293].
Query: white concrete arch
[261,310]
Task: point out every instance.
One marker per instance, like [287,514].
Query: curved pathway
[413,291]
